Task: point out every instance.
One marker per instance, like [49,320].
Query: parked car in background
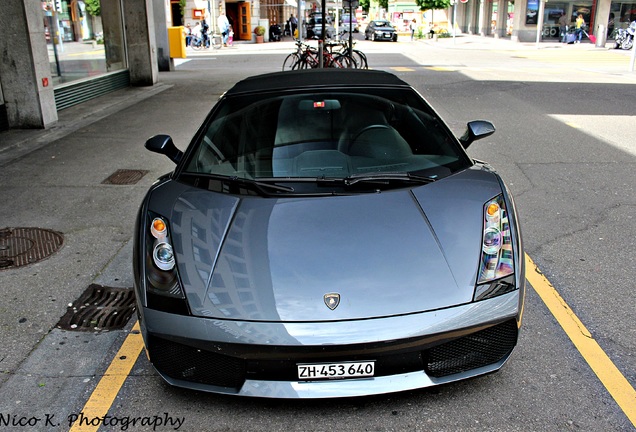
[314,27]
[325,234]
[346,22]
[380,30]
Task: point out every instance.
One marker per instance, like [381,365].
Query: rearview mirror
[476,130]
[164,145]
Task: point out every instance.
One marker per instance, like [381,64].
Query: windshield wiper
[262,186]
[387,177]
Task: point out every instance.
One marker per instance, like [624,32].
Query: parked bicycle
[343,47]
[213,41]
[336,55]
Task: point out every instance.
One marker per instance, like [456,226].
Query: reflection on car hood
[384,254]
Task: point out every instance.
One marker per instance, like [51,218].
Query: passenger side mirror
[164,145]
[476,130]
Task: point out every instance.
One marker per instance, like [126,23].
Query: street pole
[454,3]
[631,63]
[540,21]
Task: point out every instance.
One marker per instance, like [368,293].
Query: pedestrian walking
[579,26]
[412,27]
[563,27]
[188,34]
[204,34]
[224,27]
[293,24]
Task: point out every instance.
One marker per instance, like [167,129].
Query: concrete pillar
[25,74]
[160,12]
[141,42]
[601,17]
[483,21]
[112,22]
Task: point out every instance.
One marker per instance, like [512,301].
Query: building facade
[57,53]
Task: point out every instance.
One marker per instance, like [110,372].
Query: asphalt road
[564,144]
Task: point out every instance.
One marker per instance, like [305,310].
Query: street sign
[464,1]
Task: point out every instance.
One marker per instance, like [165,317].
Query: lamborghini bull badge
[332,300]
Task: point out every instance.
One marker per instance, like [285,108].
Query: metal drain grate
[99,308]
[23,246]
[125,177]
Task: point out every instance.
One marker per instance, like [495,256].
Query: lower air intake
[479,349]
[185,363]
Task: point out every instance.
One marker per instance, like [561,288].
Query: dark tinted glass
[325,134]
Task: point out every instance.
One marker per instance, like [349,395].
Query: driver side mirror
[164,145]
[476,130]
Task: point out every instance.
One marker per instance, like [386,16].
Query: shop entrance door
[244,27]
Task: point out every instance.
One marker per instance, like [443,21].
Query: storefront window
[82,45]
[627,12]
[551,15]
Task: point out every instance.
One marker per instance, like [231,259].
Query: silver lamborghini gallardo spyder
[326,235]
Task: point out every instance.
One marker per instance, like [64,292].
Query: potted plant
[259,31]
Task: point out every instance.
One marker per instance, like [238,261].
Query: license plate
[315,371]
[387,35]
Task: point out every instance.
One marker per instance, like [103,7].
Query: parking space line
[108,387]
[616,384]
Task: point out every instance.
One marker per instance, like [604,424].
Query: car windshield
[382,24]
[317,20]
[324,135]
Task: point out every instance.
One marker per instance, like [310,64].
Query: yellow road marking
[613,380]
[108,387]
[403,69]
[443,68]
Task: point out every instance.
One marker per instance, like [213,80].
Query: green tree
[432,5]
[366,4]
[93,7]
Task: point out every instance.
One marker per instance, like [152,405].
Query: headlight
[163,256]
[161,272]
[497,261]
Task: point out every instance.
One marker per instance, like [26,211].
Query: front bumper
[259,358]
[384,36]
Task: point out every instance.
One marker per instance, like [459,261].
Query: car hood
[382,254]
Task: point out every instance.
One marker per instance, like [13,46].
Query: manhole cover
[125,177]
[22,246]
[99,308]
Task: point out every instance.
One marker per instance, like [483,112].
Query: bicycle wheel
[343,62]
[291,62]
[215,41]
[308,61]
[360,59]
[196,44]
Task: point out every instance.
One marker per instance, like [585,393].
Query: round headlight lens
[492,241]
[163,256]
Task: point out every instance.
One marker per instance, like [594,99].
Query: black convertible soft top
[328,77]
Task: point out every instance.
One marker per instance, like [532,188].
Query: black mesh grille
[191,364]
[207,366]
[475,350]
